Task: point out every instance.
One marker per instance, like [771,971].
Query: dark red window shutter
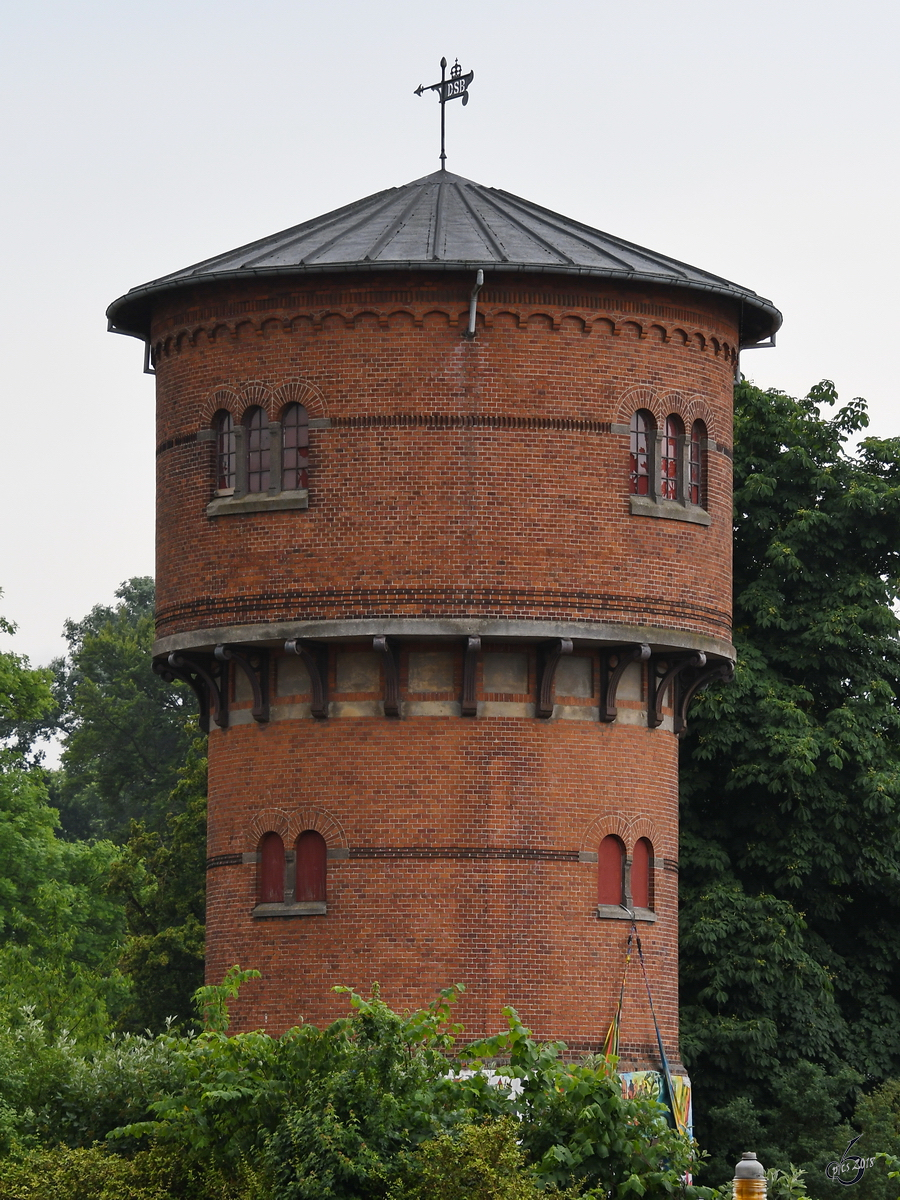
[640,874]
[312,856]
[611,871]
[271,870]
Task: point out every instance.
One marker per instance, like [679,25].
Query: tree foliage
[125,731]
[791,792]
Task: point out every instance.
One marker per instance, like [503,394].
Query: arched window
[294,448]
[271,869]
[312,857]
[226,457]
[697,481]
[258,472]
[611,871]
[643,427]
[641,879]
[670,462]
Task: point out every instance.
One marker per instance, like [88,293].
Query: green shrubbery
[378,1105]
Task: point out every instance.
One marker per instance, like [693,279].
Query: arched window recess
[261,464]
[292,882]
[668,468]
[625,883]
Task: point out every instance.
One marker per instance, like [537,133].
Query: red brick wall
[512,502]
[530,520]
[515,932]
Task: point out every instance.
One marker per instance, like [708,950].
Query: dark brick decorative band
[329,603]
[491,853]
[183,439]
[224,860]
[438,421]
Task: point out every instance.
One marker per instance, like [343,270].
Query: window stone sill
[224,506]
[304,908]
[669,510]
[615,912]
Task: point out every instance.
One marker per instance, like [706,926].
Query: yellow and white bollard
[749,1178]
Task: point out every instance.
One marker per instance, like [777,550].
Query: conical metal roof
[439,223]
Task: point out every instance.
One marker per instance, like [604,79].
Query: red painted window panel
[225,452]
[643,428]
[611,871]
[697,482]
[670,465]
[641,892]
[295,448]
[271,869]
[258,476]
[312,857]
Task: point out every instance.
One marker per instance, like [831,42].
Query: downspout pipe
[473,304]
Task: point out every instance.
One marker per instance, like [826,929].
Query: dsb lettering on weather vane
[454,88]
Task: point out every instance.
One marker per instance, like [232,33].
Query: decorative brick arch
[608,825]
[256,394]
[322,821]
[641,827]
[299,391]
[222,398]
[629,829]
[640,396]
[268,820]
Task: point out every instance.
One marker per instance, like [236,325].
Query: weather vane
[449,89]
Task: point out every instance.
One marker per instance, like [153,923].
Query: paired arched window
[667,465]
[259,451]
[271,869]
[300,877]
[697,465]
[622,882]
[226,452]
[643,431]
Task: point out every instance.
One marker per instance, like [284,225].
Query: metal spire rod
[454,88]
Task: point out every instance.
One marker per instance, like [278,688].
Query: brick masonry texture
[448,478]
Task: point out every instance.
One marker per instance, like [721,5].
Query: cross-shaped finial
[454,88]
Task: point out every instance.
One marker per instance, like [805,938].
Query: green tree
[125,731]
[59,931]
[161,878]
[791,793]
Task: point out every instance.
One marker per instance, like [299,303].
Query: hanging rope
[611,1044]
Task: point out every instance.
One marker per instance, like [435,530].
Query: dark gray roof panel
[445,222]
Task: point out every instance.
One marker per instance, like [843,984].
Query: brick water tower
[445,568]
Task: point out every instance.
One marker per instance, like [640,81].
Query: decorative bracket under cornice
[692,682]
[469,707]
[211,693]
[659,685]
[615,669]
[550,655]
[256,673]
[385,648]
[314,659]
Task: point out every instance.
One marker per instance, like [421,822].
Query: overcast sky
[756,140]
